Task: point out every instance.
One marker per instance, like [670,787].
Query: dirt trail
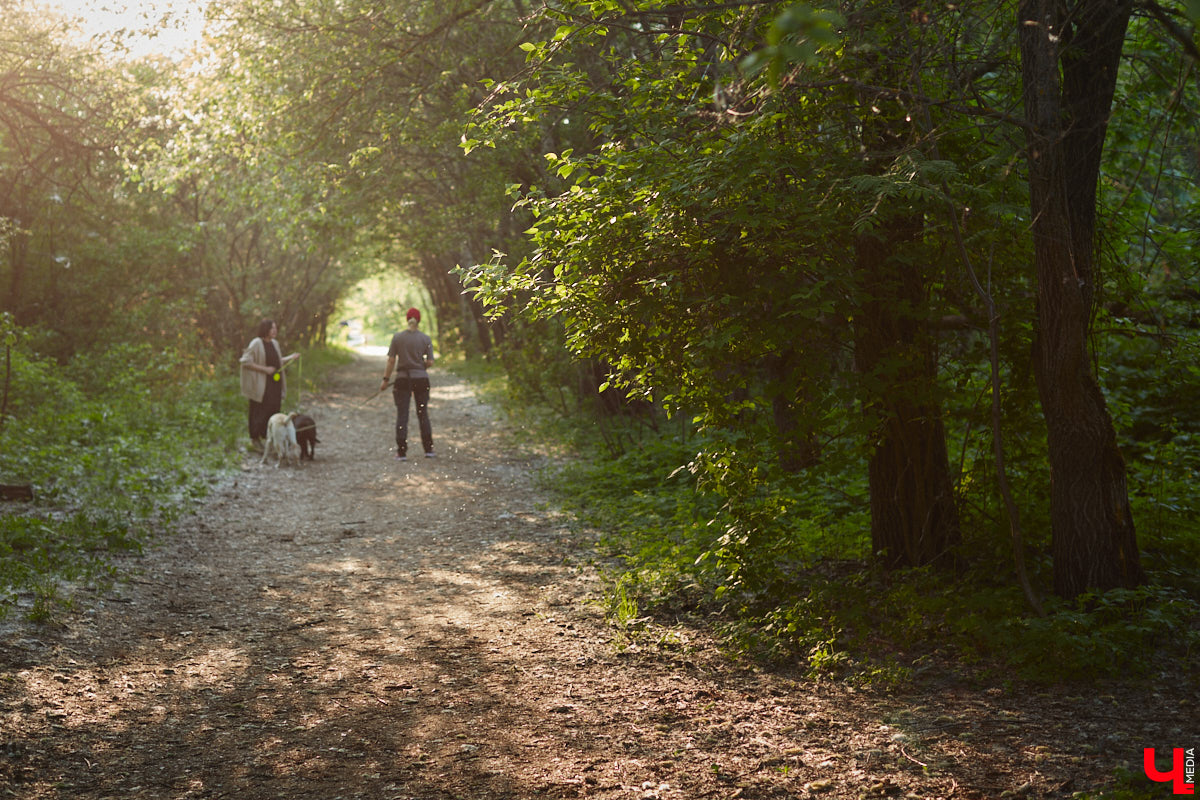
[363,628]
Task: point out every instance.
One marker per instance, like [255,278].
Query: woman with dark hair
[263,382]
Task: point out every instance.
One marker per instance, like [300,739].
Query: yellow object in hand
[275,377]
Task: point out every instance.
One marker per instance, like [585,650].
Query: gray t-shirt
[410,347]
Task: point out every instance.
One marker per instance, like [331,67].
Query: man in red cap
[409,356]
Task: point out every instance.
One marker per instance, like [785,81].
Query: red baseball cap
[413,314]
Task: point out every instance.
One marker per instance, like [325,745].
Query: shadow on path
[361,628]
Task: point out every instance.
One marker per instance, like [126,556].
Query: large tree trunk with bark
[914,519]
[1070,54]
[914,516]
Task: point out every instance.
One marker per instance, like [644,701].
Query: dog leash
[299,378]
[386,386]
[381,391]
[299,381]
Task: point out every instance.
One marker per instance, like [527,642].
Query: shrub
[116,444]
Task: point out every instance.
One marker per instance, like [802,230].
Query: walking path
[358,627]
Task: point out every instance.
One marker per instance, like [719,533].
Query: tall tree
[81,253]
[366,101]
[1070,54]
[56,124]
[914,521]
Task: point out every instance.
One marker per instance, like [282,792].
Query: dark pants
[418,390]
[261,412]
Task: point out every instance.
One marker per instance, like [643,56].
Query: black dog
[306,435]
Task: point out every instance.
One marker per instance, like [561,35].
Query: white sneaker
[430,454]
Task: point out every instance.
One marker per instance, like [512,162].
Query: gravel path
[361,628]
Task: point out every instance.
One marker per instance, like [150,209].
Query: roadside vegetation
[800,590]
[114,446]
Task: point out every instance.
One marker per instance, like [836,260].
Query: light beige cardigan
[254,383]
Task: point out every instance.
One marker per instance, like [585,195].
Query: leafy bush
[1105,635]
[855,620]
[115,444]
[783,565]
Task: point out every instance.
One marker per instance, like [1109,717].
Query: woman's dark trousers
[418,390]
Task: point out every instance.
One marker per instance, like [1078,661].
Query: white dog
[281,436]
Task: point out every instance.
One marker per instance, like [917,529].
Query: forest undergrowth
[114,447]
[799,588]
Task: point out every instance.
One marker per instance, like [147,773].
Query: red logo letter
[1175,775]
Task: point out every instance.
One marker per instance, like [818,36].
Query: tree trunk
[1070,55]
[18,248]
[797,446]
[914,517]
[914,520]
